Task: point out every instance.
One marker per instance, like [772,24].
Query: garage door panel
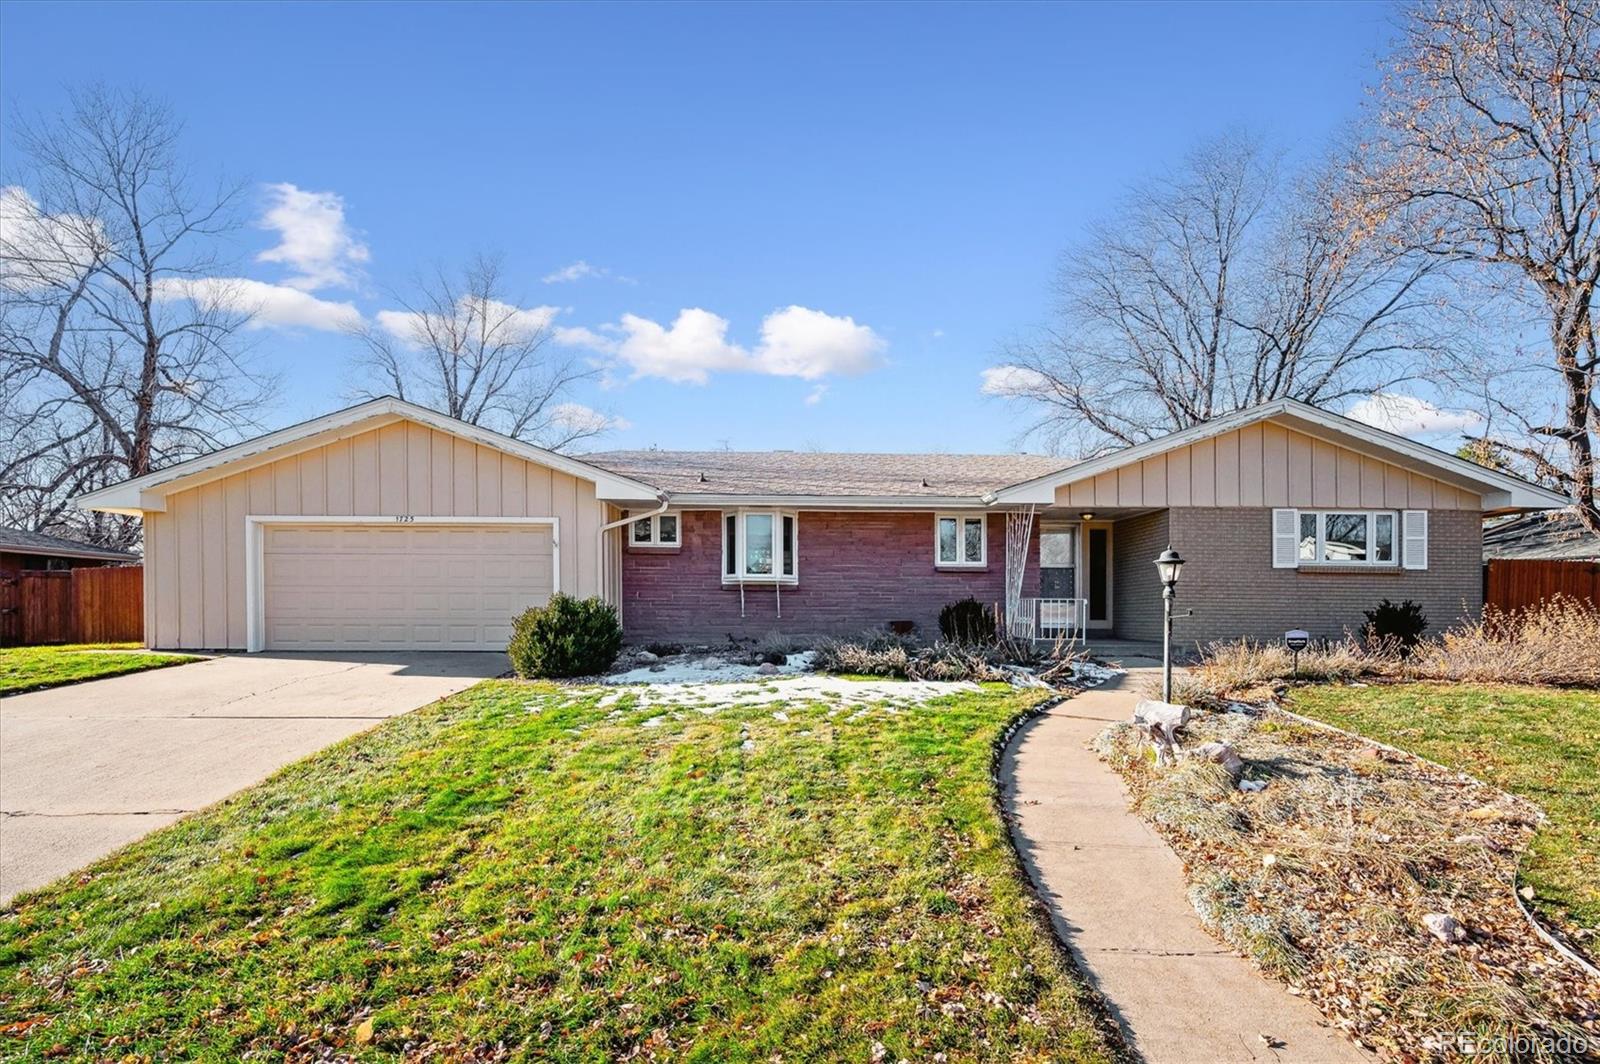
[390,587]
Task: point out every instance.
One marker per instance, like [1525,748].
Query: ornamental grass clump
[566,637]
[1556,642]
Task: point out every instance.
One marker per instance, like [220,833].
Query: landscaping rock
[645,657]
[1445,928]
[1222,754]
[767,669]
[1252,785]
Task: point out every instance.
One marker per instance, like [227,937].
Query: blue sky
[914,169]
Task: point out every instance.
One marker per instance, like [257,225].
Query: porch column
[1019,534]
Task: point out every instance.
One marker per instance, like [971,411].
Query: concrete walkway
[88,768]
[1117,899]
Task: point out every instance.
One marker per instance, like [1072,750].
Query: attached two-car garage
[383,527]
[402,585]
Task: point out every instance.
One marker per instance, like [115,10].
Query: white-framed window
[657,530]
[960,540]
[760,546]
[1345,537]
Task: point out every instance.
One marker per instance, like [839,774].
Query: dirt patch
[1326,875]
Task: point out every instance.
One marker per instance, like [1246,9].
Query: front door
[1098,561]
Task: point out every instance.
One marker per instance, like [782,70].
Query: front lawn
[529,871]
[1540,743]
[34,668]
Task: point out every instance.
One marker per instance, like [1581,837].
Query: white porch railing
[1048,618]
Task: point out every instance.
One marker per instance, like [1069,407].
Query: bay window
[760,546]
[960,540]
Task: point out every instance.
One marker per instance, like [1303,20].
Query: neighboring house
[35,550]
[1554,536]
[390,526]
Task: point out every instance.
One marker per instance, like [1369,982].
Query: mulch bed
[1325,876]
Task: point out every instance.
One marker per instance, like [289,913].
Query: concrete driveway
[91,767]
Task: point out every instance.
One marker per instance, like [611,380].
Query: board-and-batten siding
[1266,465]
[195,591]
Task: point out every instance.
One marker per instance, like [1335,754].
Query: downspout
[600,536]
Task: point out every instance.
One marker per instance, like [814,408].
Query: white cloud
[1013,381]
[270,304]
[313,238]
[795,342]
[509,322]
[798,342]
[686,352]
[1407,415]
[37,249]
[816,394]
[580,270]
[578,419]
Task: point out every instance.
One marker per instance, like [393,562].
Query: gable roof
[1558,535]
[21,541]
[1500,491]
[809,474]
[148,492]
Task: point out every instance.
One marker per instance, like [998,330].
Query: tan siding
[1203,473]
[1264,465]
[336,463]
[214,563]
[1228,469]
[313,483]
[364,474]
[195,578]
[392,469]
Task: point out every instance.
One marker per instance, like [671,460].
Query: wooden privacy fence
[1517,583]
[75,606]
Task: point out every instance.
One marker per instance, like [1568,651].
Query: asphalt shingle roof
[1553,534]
[17,541]
[825,473]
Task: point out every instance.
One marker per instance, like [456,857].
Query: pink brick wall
[857,571]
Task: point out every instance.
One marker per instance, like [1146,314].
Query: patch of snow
[793,691]
[710,669]
[1092,673]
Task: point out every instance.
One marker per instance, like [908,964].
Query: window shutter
[1414,539]
[1286,539]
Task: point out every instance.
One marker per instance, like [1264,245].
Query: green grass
[34,668]
[1541,743]
[516,864]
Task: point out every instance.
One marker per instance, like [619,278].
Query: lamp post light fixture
[1169,565]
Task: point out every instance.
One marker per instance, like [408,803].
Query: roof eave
[1500,491]
[147,493]
[727,500]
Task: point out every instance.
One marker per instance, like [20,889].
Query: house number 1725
[405,519]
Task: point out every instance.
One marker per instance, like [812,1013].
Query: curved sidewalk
[1118,900]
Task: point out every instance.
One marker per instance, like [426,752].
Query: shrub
[875,654]
[566,637]
[967,622]
[1395,625]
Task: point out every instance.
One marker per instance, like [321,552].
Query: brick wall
[1230,584]
[1135,585]
[857,571]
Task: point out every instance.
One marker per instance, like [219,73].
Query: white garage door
[392,587]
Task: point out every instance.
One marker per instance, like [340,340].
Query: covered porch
[1079,575]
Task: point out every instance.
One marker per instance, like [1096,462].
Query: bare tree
[1219,286]
[1486,149]
[109,368]
[460,345]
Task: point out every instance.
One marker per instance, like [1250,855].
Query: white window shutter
[1286,539]
[1414,539]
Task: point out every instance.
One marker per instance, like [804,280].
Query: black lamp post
[1169,565]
